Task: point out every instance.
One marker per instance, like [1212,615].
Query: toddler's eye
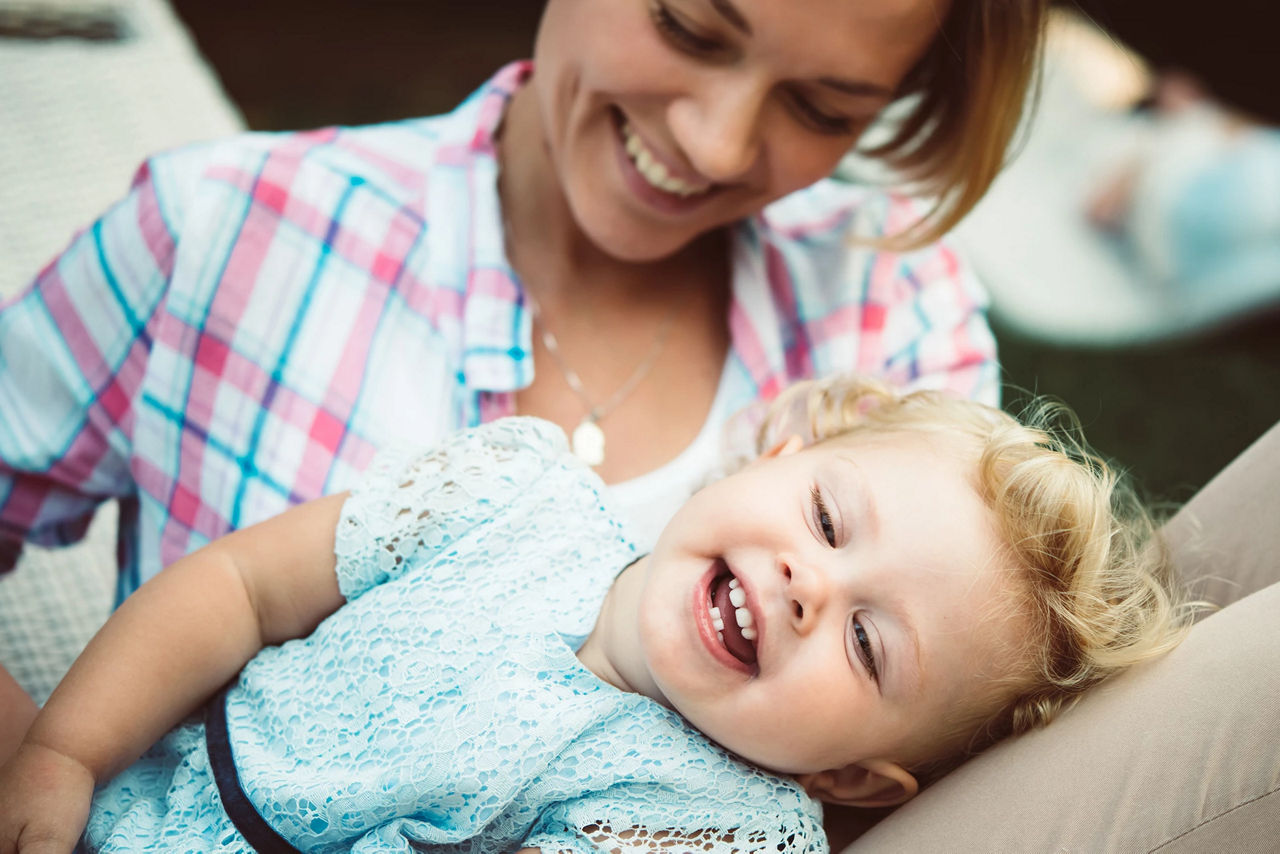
[821,517]
[865,654]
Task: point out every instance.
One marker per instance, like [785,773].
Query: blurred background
[1172,364]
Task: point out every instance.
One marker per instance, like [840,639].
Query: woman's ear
[786,447]
[874,783]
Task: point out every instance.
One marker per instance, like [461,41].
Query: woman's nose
[807,589]
[718,127]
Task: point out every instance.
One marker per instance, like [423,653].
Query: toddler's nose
[807,589]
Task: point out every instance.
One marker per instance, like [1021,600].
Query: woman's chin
[625,239]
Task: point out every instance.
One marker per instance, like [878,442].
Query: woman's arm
[165,651]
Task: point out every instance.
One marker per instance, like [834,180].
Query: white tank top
[648,501]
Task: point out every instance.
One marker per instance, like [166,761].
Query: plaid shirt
[258,315]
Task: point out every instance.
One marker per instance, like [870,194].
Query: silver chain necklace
[587,440]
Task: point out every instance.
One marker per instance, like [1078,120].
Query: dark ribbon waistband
[241,812]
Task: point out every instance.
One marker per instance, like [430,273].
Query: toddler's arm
[163,653]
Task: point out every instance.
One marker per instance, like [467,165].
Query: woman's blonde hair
[968,93]
[1093,581]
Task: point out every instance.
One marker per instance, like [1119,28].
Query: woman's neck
[664,321]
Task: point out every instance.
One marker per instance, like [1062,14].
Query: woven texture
[89,112]
[53,603]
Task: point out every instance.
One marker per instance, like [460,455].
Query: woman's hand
[44,801]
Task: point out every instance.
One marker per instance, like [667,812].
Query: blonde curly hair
[1096,588]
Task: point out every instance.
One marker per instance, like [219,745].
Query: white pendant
[588,442]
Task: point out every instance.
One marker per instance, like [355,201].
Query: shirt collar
[496,325]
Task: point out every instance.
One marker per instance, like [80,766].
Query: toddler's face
[869,576]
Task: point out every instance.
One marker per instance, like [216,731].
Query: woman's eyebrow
[861,88]
[730,13]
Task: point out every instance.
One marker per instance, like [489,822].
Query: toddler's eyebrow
[907,684]
[853,483]
[912,671]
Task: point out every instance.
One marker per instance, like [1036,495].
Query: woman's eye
[819,120]
[680,35]
[865,653]
[822,517]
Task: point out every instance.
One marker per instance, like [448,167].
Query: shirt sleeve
[412,504]
[935,332]
[73,351]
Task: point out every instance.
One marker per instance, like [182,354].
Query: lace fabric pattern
[443,707]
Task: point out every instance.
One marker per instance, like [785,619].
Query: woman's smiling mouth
[655,178]
[654,170]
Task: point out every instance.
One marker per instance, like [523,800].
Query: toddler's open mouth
[734,623]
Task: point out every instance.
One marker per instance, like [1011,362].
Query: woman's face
[664,119]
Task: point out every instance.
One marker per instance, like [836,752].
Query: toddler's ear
[874,783]
[786,447]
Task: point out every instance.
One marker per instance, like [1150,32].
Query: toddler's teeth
[719,624]
[749,633]
[734,584]
[715,613]
[721,636]
[737,597]
[743,617]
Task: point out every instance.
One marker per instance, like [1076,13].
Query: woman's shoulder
[392,159]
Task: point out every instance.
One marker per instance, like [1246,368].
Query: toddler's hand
[44,802]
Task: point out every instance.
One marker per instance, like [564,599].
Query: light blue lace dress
[443,708]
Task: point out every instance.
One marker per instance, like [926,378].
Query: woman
[258,315]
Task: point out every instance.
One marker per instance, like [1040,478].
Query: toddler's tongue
[738,646]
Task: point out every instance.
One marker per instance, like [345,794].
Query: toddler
[466,654]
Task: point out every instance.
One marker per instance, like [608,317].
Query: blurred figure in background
[1197,203]
[1140,208]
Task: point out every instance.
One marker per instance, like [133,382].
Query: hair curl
[1095,583]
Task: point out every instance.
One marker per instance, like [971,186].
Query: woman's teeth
[741,613]
[652,169]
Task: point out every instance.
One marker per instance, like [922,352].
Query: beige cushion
[1180,755]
